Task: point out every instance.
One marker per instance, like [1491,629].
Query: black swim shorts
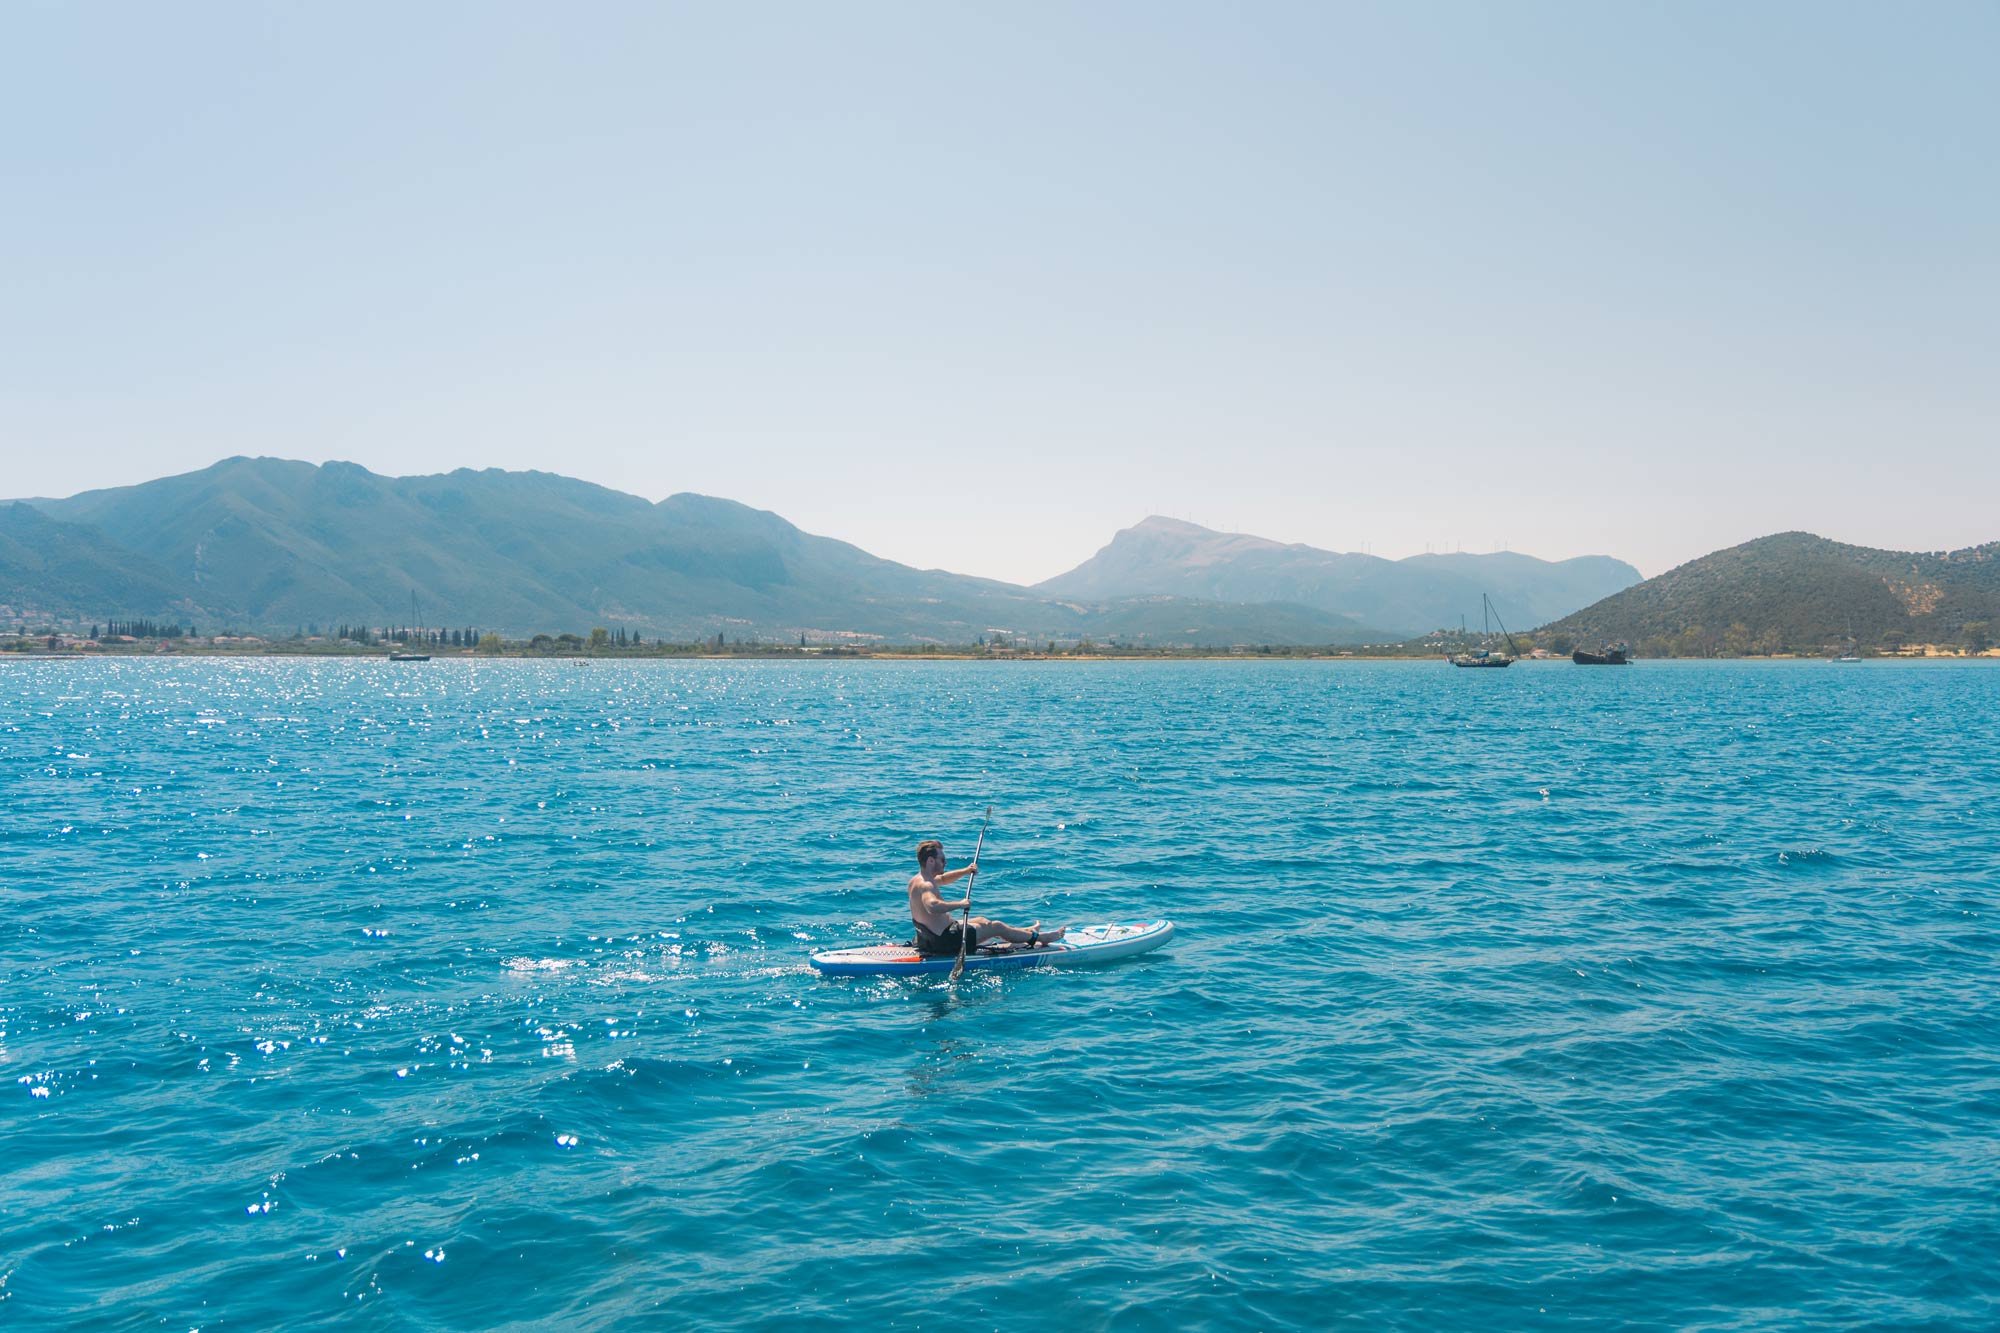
[932,942]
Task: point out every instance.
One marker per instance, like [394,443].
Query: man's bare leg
[991,930]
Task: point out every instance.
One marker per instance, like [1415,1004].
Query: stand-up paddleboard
[1080,944]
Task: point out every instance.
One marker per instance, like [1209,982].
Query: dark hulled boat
[1609,657]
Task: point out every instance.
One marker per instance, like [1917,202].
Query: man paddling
[937,933]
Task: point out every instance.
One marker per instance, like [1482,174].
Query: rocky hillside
[1797,592]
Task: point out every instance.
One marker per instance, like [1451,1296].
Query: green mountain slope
[269,543]
[1794,591]
[55,568]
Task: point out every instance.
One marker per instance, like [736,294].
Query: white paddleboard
[1080,944]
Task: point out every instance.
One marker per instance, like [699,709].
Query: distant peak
[1178,526]
[1179,530]
[258,462]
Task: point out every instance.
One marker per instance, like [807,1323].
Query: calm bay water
[474,995]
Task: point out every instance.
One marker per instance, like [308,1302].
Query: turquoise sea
[474,995]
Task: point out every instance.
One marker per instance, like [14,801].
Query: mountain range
[271,545]
[1165,556]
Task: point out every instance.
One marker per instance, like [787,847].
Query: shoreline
[234,651]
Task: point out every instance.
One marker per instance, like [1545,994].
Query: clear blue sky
[973,287]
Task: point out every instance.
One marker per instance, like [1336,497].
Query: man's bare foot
[1049,936]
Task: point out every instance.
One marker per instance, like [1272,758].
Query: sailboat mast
[1512,647]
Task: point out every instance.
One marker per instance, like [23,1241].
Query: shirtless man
[937,933]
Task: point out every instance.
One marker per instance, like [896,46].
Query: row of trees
[434,638]
[422,638]
[141,629]
[600,640]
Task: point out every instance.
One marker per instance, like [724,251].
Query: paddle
[965,926]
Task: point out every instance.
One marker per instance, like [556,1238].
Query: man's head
[928,848]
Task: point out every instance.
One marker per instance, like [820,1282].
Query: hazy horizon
[975,290]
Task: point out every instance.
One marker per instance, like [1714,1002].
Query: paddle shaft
[965,925]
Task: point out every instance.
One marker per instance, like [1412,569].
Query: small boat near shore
[407,656]
[1613,655]
[1484,658]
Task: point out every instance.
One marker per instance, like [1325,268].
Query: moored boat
[1484,657]
[1613,655]
[399,656]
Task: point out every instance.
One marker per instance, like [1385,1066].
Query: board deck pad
[1080,944]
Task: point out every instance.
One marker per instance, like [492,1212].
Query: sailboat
[1851,653]
[1488,617]
[413,657]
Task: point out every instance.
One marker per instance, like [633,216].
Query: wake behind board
[1080,944]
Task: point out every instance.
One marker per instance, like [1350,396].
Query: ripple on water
[475,997]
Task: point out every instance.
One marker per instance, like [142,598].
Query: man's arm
[927,895]
[932,903]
